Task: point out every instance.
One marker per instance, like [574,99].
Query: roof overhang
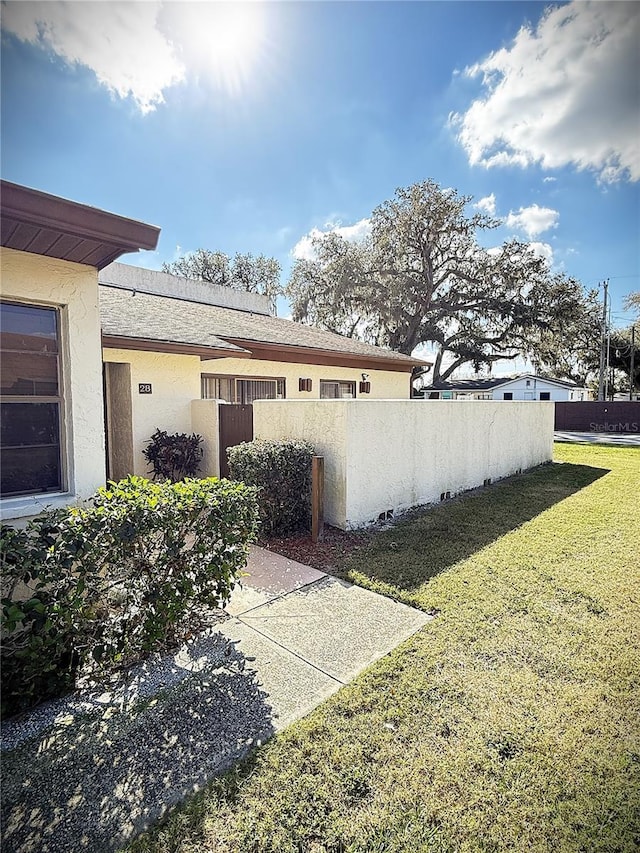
[43,224]
[309,355]
[151,345]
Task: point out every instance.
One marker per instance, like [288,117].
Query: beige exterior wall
[73,288]
[205,422]
[385,384]
[389,455]
[175,382]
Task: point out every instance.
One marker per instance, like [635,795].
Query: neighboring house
[524,387]
[169,341]
[52,448]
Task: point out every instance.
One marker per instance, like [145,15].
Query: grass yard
[509,723]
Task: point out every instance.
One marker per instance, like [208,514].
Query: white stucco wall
[389,455]
[385,384]
[175,382]
[73,288]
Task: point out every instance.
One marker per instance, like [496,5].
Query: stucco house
[52,438]
[176,350]
[526,386]
[90,370]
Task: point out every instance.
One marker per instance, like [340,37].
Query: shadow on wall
[102,773]
[429,540]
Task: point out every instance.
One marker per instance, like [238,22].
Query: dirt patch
[325,554]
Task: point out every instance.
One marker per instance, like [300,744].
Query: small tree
[173,457]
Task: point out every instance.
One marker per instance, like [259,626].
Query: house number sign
[144,388]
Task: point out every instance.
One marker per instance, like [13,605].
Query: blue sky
[245,127]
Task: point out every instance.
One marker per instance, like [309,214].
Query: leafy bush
[93,587]
[173,457]
[282,472]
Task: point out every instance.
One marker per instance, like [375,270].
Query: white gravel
[90,771]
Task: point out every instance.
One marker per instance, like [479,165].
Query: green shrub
[93,587]
[282,472]
[173,457]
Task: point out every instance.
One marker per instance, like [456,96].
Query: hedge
[281,470]
[93,587]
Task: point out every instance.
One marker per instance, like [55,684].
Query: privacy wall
[384,456]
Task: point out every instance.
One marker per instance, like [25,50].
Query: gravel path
[92,771]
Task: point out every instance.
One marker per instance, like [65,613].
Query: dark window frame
[237,392]
[58,413]
[340,383]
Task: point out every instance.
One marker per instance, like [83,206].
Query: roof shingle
[136,315]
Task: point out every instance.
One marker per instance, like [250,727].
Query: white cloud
[304,250]
[532,220]
[119,42]
[487,204]
[549,180]
[141,49]
[542,250]
[564,92]
[539,250]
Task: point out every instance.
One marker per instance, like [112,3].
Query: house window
[242,389]
[336,390]
[507,395]
[545,395]
[31,409]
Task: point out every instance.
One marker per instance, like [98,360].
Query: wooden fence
[619,416]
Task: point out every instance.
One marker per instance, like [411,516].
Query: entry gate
[236,425]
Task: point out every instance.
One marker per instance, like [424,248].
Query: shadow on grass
[429,540]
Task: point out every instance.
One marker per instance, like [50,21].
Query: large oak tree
[423,277]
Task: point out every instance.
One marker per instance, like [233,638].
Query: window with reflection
[242,389]
[31,406]
[337,390]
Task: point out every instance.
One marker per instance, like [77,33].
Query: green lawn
[509,723]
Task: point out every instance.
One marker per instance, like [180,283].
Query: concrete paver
[292,687]
[268,576]
[336,626]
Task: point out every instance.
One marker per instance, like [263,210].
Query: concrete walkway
[622,439]
[91,771]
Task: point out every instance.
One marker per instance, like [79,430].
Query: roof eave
[313,355]
[175,347]
[48,213]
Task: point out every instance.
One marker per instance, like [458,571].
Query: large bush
[282,472]
[92,587]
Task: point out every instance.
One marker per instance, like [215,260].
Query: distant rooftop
[471,385]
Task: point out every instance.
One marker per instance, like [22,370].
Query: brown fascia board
[59,214]
[150,345]
[310,355]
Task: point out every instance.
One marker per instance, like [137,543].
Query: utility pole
[603,339]
[631,367]
[609,386]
